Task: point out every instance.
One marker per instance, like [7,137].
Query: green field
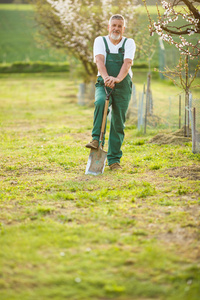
[19,37]
[131,234]
[20,42]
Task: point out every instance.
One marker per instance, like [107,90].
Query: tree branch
[180,32]
[192,8]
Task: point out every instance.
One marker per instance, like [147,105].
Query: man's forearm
[124,69]
[111,81]
[102,69]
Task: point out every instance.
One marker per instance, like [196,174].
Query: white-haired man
[113,55]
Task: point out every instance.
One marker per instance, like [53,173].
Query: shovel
[97,158]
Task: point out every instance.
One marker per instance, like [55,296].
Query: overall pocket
[100,81]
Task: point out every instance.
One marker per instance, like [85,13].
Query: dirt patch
[190,172]
[84,137]
[152,120]
[175,138]
[27,171]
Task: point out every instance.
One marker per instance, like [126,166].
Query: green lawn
[19,37]
[131,234]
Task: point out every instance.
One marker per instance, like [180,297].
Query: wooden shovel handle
[104,118]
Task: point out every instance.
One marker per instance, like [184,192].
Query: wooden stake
[194,131]
[179,111]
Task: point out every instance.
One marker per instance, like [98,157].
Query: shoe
[94,144]
[115,166]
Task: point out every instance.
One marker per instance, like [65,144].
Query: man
[113,55]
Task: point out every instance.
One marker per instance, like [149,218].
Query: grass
[132,234]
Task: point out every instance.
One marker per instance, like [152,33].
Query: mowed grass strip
[132,234]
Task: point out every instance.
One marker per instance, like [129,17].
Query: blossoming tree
[177,23]
[74,24]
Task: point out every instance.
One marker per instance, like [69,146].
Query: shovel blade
[96,161]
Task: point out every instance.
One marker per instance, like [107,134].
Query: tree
[179,24]
[74,24]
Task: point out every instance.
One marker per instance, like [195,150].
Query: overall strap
[121,49]
[106,45]
[124,43]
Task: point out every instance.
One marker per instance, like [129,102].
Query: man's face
[116,29]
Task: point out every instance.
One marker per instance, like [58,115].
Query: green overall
[119,99]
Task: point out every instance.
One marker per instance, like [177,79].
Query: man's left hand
[110,81]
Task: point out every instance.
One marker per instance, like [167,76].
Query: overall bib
[119,99]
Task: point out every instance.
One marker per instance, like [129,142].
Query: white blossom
[170,16]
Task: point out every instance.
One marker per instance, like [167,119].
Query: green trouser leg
[119,99]
[100,98]
[120,102]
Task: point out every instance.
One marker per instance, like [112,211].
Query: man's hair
[118,17]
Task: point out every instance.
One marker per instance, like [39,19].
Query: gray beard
[115,37]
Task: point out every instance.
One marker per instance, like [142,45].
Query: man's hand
[110,81]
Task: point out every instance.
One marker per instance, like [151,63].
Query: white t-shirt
[100,48]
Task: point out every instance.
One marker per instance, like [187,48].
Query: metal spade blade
[96,161]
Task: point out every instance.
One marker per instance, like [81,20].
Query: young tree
[74,24]
[178,24]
